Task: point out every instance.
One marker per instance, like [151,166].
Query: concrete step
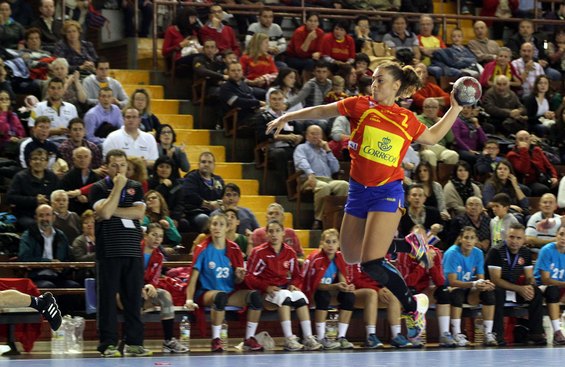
[193,153]
[131,76]
[177,121]
[155,91]
[192,137]
[262,219]
[247,187]
[256,203]
[227,170]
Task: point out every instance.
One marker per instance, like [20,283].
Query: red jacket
[171,42]
[488,72]
[265,268]
[233,252]
[315,267]
[429,90]
[340,51]
[264,65]
[360,279]
[528,163]
[416,276]
[298,37]
[225,39]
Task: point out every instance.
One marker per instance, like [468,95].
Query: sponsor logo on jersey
[381,146]
[211,265]
[521,261]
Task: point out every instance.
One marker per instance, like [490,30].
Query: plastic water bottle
[332,326]
[185,332]
[224,335]
[58,341]
[479,329]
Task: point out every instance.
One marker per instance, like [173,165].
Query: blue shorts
[364,199]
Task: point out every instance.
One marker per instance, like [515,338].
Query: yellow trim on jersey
[403,125]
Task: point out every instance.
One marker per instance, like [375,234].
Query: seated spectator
[280,283]
[215,29]
[57,110]
[361,66]
[456,60]
[235,93]
[400,37]
[38,139]
[337,47]
[5,84]
[502,220]
[337,93]
[428,44]
[49,26]
[340,134]
[157,211]
[22,12]
[526,34]
[66,221]
[233,235]
[501,66]
[463,266]
[556,49]
[484,48]
[132,140]
[428,90]
[36,58]
[303,50]
[474,216]
[527,68]
[515,282]
[258,65]
[207,289]
[487,160]
[362,33]
[230,200]
[532,166]
[418,213]
[409,163]
[543,225]
[368,5]
[504,181]
[93,83]
[556,137]
[507,113]
[424,175]
[316,159]
[166,184]
[541,105]
[439,151]
[31,187]
[12,31]
[137,171]
[73,91]
[549,271]
[265,25]
[103,118]
[209,66]
[77,177]
[181,34]
[469,135]
[77,139]
[460,188]
[287,82]
[43,242]
[347,72]
[11,129]
[202,192]
[80,54]
[166,138]
[157,289]
[84,246]
[275,212]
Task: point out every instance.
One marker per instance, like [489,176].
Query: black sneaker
[50,310]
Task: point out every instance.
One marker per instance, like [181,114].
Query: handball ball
[467,91]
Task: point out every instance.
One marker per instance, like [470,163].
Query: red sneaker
[252,345]
[217,345]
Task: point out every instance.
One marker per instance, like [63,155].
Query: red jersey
[338,50]
[315,267]
[416,276]
[298,37]
[265,268]
[225,38]
[259,237]
[253,69]
[360,279]
[380,137]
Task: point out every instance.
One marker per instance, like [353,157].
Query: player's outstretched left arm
[435,133]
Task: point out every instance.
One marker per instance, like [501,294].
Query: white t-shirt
[144,146]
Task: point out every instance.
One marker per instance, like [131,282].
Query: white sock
[306,327]
[216,331]
[455,326]
[395,330]
[286,328]
[342,329]
[443,323]
[371,329]
[251,329]
[556,325]
[321,330]
[487,324]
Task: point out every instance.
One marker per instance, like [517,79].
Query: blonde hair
[71,23]
[148,104]
[139,169]
[338,81]
[329,232]
[254,47]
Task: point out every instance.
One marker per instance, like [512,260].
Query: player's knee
[487,298]
[299,303]
[220,301]
[346,301]
[552,294]
[442,295]
[375,269]
[457,297]
[322,299]
[287,302]
[255,301]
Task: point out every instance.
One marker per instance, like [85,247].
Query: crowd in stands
[61,114]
